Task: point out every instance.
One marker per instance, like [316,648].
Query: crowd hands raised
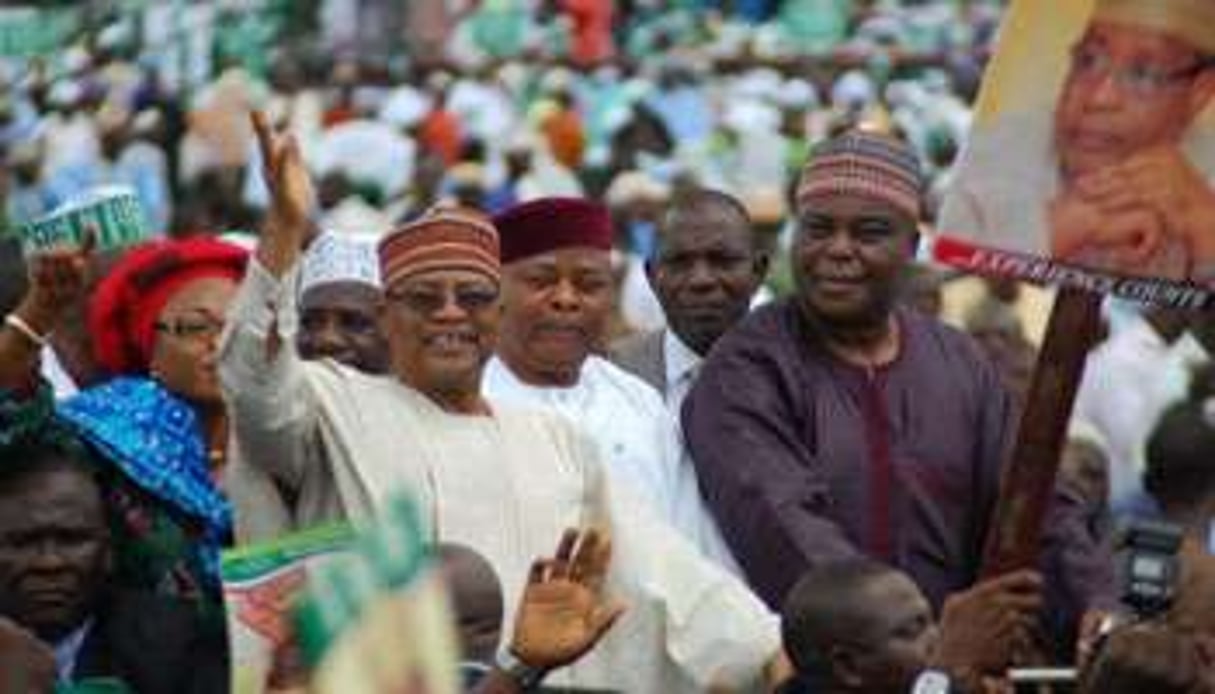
[661,92]
[854,625]
[671,583]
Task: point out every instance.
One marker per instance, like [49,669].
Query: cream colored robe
[506,486]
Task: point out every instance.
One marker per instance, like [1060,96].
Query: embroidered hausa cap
[443,238]
[868,164]
[1192,21]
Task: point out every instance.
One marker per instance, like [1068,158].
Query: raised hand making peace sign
[289,226]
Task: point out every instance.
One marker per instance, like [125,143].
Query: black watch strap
[525,675]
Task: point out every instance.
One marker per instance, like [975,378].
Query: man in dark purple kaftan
[833,423]
[806,458]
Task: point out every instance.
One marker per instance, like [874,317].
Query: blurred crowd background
[401,104]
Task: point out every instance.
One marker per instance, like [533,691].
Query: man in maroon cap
[557,295]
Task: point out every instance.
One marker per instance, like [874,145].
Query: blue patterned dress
[168,519]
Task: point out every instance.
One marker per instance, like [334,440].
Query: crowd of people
[673,96]
[648,294]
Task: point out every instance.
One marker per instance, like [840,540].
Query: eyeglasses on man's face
[1140,78]
[427,299]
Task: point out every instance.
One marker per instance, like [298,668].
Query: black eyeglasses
[426,300]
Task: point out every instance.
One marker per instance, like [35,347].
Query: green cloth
[94,686]
[244,37]
[780,275]
[678,27]
[814,26]
[499,27]
[555,39]
[796,155]
[24,418]
[26,31]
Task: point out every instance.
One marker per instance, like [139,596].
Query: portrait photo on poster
[1091,158]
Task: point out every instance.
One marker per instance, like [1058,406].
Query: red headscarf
[124,308]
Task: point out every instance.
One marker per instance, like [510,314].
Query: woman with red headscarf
[157,427]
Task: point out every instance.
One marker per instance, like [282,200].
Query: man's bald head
[857,625]
[1179,475]
[822,608]
[706,267]
[476,595]
[697,204]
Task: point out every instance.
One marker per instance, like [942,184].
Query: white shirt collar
[501,381]
[1185,348]
[678,358]
[1145,336]
[67,651]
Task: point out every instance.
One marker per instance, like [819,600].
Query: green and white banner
[330,610]
[113,213]
[380,622]
[29,31]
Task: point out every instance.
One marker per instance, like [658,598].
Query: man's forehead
[705,224]
[891,599]
[74,513]
[851,206]
[51,493]
[576,258]
[1187,20]
[444,276]
[339,295]
[1140,42]
[893,585]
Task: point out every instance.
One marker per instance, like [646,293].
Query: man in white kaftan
[502,482]
[556,301]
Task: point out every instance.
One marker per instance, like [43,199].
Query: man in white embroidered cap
[339,294]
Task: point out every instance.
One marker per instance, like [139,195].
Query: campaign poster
[1091,159]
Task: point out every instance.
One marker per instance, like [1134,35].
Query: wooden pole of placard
[1028,482]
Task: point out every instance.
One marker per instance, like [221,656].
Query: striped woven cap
[442,239]
[866,164]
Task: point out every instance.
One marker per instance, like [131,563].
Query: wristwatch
[527,676]
[931,682]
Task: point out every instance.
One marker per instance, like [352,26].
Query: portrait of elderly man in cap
[1117,174]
